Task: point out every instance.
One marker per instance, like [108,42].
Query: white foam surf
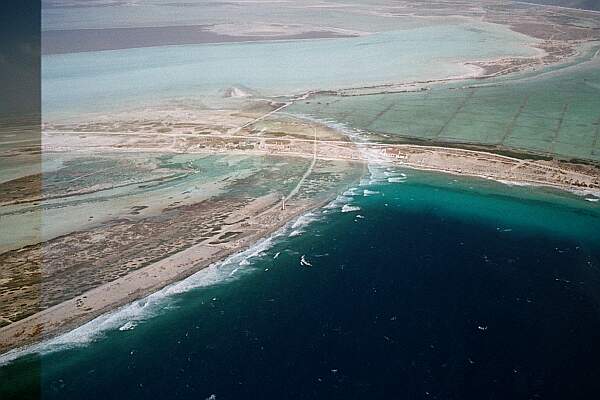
[128,326]
[351,192]
[129,316]
[396,179]
[339,201]
[301,223]
[304,262]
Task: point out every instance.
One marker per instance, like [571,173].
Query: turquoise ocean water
[413,285]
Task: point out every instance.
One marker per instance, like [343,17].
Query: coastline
[72,313]
[69,314]
[79,310]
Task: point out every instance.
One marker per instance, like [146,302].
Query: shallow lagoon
[106,81]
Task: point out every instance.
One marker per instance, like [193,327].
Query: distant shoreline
[91,40]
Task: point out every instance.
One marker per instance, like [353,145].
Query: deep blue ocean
[431,287]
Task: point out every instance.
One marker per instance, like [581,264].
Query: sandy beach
[259,219]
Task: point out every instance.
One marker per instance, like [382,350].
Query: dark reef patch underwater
[427,288]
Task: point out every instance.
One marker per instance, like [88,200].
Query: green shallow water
[505,206]
[556,113]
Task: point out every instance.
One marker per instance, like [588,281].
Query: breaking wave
[349,208]
[396,179]
[297,227]
[339,201]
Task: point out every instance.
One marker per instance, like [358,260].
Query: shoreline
[81,309]
[71,314]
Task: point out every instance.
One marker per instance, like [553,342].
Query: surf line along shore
[137,284]
[259,219]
